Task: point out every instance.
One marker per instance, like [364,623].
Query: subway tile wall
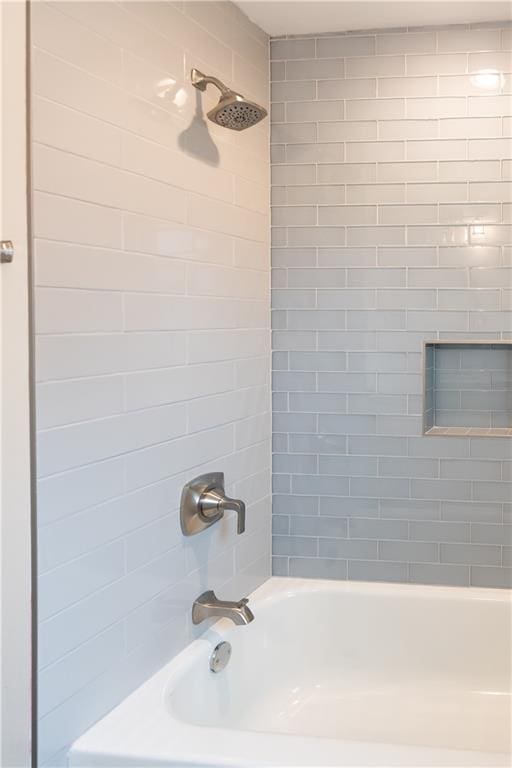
[391,212]
[472,386]
[152,339]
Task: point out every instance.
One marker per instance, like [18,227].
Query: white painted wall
[15,570]
[152,307]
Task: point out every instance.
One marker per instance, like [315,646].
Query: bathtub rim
[102,740]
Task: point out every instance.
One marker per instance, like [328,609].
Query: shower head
[233,110]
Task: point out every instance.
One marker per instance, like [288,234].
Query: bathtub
[329,673]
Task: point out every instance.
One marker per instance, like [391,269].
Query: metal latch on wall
[6,251]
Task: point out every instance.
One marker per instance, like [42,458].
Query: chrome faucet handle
[204,501]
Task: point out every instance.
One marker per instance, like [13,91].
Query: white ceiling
[297,17]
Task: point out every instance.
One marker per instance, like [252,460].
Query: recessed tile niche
[468,388]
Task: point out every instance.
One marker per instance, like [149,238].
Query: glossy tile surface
[152,339]
[411,241]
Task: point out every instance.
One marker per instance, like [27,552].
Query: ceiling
[298,17]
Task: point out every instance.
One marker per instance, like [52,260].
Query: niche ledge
[467,388]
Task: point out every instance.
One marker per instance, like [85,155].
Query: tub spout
[208,606]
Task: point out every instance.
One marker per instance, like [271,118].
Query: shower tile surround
[468,389]
[391,211]
[152,318]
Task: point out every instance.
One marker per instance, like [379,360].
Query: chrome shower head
[233,110]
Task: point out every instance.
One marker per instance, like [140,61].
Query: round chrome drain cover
[221,654]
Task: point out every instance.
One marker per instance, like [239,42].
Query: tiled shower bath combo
[162,637]
[391,222]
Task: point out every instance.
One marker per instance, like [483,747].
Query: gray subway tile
[439,573]
[409,551]
[280,566]
[317,568]
[294,545]
[349,507]
[471,512]
[381,487]
[409,509]
[325,485]
[440,489]
[486,533]
[289,463]
[438,531]
[358,549]
[318,402]
[319,444]
[294,505]
[292,49]
[347,465]
[491,577]
[370,528]
[361,570]
[407,467]
[470,554]
[354,304]
[318,361]
[346,424]
[321,526]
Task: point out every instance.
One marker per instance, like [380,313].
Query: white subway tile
[132,208]
[57,126]
[59,218]
[63,37]
[66,402]
[66,265]
[74,311]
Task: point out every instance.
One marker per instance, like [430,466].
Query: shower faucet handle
[204,501]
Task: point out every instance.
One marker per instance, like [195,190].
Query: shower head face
[236,113]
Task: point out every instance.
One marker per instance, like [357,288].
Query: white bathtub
[329,673]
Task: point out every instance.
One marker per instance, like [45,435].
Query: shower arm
[200,82]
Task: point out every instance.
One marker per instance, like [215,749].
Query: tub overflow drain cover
[221,654]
